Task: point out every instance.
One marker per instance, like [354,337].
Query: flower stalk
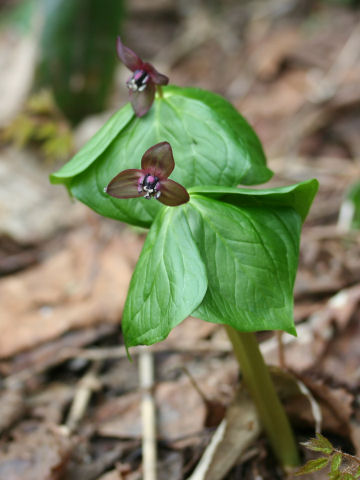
[260,385]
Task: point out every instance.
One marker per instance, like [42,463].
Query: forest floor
[70,401]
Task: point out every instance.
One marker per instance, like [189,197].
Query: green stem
[159,91]
[258,381]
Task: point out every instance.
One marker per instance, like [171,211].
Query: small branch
[281,351]
[87,385]
[148,416]
[195,385]
[315,407]
[349,457]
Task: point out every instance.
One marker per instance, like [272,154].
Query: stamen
[151,185]
[138,81]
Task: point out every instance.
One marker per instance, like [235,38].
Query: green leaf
[94,147]
[347,476]
[298,196]
[226,131]
[335,475]
[211,141]
[336,462]
[251,256]
[168,283]
[319,444]
[351,206]
[313,466]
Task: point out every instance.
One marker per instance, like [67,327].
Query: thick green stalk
[259,383]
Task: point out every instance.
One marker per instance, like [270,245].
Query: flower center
[150,185]
[138,81]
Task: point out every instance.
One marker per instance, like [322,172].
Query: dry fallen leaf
[37,453]
[12,407]
[180,411]
[83,284]
[235,434]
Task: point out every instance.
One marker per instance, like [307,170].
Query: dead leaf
[31,209]
[180,412]
[89,466]
[235,434]
[275,48]
[38,454]
[50,402]
[26,364]
[335,404]
[113,475]
[317,333]
[82,285]
[12,407]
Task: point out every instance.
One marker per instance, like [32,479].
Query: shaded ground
[70,400]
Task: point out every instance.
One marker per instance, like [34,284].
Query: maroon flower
[142,82]
[152,180]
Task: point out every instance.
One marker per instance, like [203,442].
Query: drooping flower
[143,81]
[152,180]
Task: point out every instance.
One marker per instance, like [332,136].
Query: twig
[120,352]
[347,57]
[315,407]
[194,384]
[146,374]
[87,385]
[106,353]
[350,458]
[281,351]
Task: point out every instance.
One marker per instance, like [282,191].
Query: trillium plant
[222,253]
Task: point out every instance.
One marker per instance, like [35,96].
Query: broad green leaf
[298,196]
[226,129]
[319,444]
[336,462]
[169,281]
[211,141]
[95,146]
[347,476]
[313,466]
[251,256]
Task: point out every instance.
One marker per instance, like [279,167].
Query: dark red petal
[128,57]
[157,77]
[172,193]
[125,184]
[142,101]
[159,160]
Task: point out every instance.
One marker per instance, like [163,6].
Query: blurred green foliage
[78,53]
[19,15]
[40,123]
[353,198]
[343,466]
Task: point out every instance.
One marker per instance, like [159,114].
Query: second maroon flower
[143,81]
